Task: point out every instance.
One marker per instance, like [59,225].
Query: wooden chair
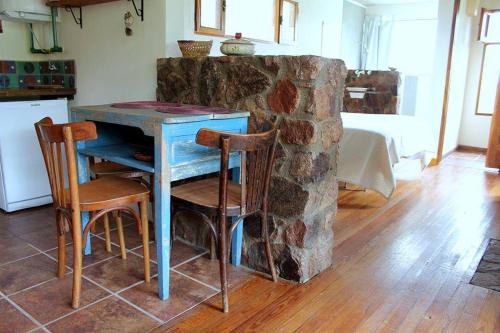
[217,199]
[99,197]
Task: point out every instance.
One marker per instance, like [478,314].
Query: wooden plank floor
[402,265]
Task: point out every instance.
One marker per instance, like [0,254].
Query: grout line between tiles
[76,310]
[13,261]
[196,280]
[190,259]
[31,287]
[124,300]
[26,314]
[192,307]
[135,284]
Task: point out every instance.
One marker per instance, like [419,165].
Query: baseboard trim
[471,149]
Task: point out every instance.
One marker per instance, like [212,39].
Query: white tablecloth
[372,144]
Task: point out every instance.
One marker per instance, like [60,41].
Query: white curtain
[375,43]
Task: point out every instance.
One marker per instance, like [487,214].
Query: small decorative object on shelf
[356,92]
[237,46]
[194,48]
[129,21]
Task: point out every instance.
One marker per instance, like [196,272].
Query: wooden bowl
[194,48]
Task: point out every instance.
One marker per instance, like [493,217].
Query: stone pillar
[302,95]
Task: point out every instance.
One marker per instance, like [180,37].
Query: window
[489,26]
[256,19]
[288,21]
[489,34]
[490,71]
[210,17]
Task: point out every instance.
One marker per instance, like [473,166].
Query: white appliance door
[22,167]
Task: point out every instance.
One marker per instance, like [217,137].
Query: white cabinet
[23,178]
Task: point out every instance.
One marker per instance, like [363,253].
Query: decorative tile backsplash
[24,74]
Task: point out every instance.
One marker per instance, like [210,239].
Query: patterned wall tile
[25,74]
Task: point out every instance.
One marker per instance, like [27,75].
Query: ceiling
[390,2]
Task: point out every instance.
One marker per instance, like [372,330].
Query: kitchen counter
[9,94]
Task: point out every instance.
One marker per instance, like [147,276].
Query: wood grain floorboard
[402,265]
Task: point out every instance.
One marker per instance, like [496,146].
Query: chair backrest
[51,138]
[257,158]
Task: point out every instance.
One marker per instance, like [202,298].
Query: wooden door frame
[444,114]
[491,154]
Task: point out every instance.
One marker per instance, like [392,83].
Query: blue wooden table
[121,132]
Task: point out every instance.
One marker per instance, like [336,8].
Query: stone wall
[383,97]
[303,96]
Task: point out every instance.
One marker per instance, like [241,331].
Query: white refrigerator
[23,177]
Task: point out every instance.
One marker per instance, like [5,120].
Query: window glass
[490,27]
[489,78]
[211,13]
[254,19]
[288,23]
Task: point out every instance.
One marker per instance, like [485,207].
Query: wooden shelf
[119,153]
[75,7]
[75,3]
[19,93]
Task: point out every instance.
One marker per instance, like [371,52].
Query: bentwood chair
[98,197]
[217,199]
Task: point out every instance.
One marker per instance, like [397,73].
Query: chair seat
[107,168]
[205,194]
[109,192]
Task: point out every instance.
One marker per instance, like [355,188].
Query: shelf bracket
[139,11]
[78,19]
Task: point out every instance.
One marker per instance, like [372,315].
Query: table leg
[237,241]
[83,177]
[162,211]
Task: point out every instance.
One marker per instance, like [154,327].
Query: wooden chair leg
[145,239]
[61,247]
[77,262]
[213,254]
[94,227]
[139,224]
[121,237]
[223,262]
[269,255]
[152,200]
[107,232]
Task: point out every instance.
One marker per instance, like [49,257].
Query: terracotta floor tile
[98,253]
[28,220]
[43,239]
[117,274]
[184,294]
[12,320]
[52,300]
[180,252]
[132,237]
[13,248]
[27,272]
[207,271]
[110,315]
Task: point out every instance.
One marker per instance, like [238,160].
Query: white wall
[352,33]
[474,129]
[319,29]
[409,11]
[109,65]
[113,67]
[14,41]
[458,79]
